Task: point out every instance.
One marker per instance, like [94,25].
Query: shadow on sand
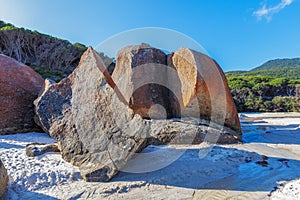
[223,168]
[271,134]
[228,168]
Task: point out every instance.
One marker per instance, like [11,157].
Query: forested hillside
[271,87]
[279,68]
[265,94]
[51,57]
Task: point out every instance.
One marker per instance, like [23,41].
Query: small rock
[37,149]
[265,158]
[262,163]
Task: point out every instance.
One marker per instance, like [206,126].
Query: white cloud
[268,12]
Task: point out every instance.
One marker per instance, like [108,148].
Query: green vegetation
[279,68]
[290,73]
[265,94]
[273,86]
[47,72]
[6,26]
[279,64]
[80,47]
[2,23]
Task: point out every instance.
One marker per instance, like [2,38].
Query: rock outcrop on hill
[19,87]
[95,124]
[3,179]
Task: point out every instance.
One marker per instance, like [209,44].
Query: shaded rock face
[19,87]
[204,89]
[141,75]
[94,130]
[3,179]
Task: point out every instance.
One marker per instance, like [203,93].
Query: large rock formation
[3,179]
[94,130]
[19,87]
[91,119]
[204,89]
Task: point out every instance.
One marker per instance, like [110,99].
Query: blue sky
[238,34]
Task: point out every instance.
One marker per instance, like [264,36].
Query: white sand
[32,174]
[201,172]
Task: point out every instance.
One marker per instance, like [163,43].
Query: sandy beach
[265,166]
